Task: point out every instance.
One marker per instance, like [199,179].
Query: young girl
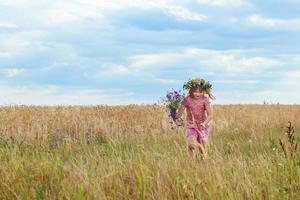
[199,115]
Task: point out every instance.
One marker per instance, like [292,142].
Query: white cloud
[209,62]
[9,2]
[284,90]
[279,96]
[20,42]
[5,54]
[293,74]
[54,95]
[175,8]
[13,72]
[223,2]
[237,81]
[139,62]
[264,22]
[184,13]
[230,61]
[233,61]
[6,24]
[64,11]
[165,80]
[111,69]
[257,97]
[83,49]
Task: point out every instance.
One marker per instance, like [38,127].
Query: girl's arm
[209,117]
[180,111]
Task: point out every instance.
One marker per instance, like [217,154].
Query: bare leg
[191,152]
[202,149]
[192,144]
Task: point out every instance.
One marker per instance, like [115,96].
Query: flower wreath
[199,82]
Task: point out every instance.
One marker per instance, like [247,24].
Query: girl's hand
[203,124]
[179,121]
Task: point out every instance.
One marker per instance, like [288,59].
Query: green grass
[131,153]
[148,167]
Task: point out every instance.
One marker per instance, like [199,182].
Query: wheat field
[132,152]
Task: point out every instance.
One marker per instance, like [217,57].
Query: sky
[119,52]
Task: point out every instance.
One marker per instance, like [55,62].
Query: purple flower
[172,102]
[173,114]
[169,96]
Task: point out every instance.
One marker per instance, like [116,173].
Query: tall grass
[131,152]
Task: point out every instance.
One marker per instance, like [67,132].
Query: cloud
[223,2]
[19,43]
[264,22]
[145,45]
[8,2]
[5,54]
[8,25]
[257,97]
[184,13]
[236,81]
[55,95]
[229,61]
[293,74]
[165,80]
[13,72]
[232,61]
[111,68]
[174,8]
[139,62]
[49,13]
[279,96]
[67,12]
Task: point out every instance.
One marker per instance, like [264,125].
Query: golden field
[131,152]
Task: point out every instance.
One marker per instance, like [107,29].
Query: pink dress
[196,114]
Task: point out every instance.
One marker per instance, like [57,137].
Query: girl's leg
[192,145]
[202,149]
[202,140]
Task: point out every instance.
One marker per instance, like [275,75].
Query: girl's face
[197,94]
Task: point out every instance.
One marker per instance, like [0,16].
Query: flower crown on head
[199,82]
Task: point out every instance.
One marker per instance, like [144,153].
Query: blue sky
[133,51]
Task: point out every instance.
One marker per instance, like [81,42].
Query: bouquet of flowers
[172,102]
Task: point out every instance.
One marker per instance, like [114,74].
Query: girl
[199,115]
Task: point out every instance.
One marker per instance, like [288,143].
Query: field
[131,152]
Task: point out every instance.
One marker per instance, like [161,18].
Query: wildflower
[172,102]
[201,83]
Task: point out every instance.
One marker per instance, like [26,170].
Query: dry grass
[131,152]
